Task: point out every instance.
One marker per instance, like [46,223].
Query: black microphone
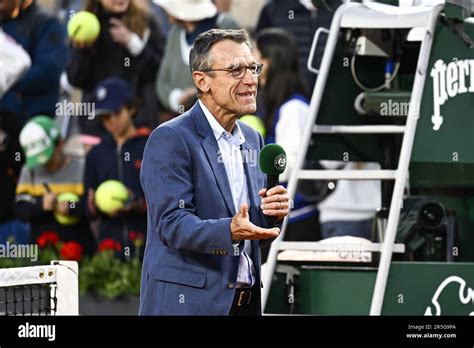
[272,163]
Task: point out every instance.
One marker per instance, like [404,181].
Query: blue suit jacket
[190,266]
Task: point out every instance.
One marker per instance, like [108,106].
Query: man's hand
[119,32]
[242,228]
[49,201]
[275,202]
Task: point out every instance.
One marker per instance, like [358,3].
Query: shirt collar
[236,137]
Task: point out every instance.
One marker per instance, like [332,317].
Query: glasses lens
[238,72]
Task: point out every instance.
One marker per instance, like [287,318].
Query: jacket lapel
[212,152]
[249,172]
[211,149]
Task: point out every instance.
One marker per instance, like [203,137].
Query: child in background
[50,188]
[118,157]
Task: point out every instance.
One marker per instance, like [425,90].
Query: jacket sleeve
[48,60]
[168,185]
[79,68]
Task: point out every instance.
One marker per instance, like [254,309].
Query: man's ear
[201,81]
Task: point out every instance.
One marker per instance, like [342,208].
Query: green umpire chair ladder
[329,117]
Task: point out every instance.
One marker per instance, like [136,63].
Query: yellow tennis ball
[84,27]
[111,196]
[255,122]
[72,198]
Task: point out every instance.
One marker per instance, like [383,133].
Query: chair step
[369,129]
[327,174]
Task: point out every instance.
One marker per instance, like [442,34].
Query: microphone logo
[280,162]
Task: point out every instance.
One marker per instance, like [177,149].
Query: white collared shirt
[230,154]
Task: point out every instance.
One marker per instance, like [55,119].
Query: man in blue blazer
[205,192]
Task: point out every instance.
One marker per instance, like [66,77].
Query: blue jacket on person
[108,161]
[44,39]
[190,265]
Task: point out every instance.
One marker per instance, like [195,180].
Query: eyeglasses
[239,72]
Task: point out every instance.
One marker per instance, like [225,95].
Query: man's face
[236,96]
[7,7]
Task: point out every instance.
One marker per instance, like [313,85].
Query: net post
[67,290]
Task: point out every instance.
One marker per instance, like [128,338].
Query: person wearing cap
[130,46]
[47,174]
[190,18]
[207,201]
[117,157]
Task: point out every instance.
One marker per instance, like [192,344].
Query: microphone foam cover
[272,159]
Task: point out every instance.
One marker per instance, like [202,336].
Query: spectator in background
[14,63]
[287,108]
[190,18]
[161,17]
[10,166]
[301,18]
[350,209]
[44,39]
[246,13]
[130,46]
[47,174]
[117,157]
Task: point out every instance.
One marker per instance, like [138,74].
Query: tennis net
[40,290]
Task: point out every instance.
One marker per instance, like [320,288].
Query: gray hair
[199,58]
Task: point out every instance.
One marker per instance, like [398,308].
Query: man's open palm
[242,228]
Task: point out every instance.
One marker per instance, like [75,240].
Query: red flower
[47,238]
[71,251]
[109,244]
[135,236]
